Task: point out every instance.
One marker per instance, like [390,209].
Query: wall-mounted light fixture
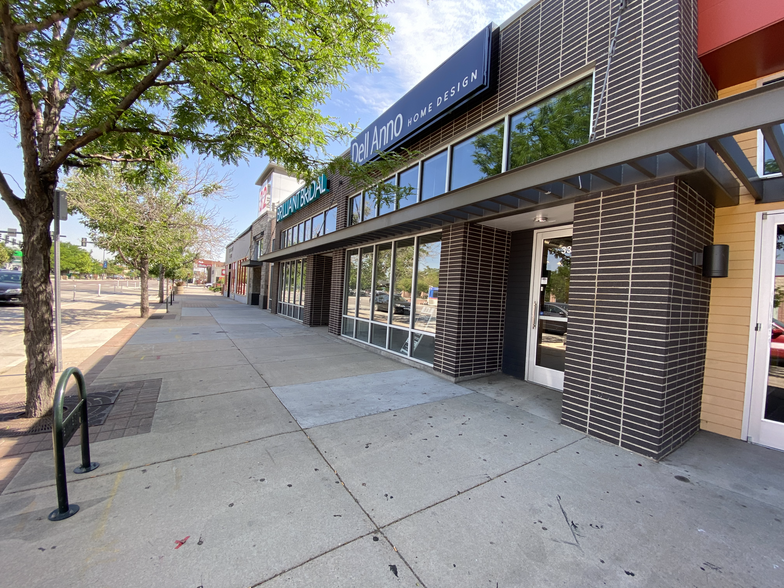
[714,259]
[540,218]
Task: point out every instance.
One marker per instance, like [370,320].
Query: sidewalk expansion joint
[213,394]
[152,463]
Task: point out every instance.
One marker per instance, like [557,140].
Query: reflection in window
[304,281]
[428,267]
[478,157]
[434,176]
[554,125]
[404,273]
[355,210]
[306,230]
[318,225]
[381,290]
[365,281]
[769,164]
[386,201]
[408,183]
[370,206]
[350,303]
[331,222]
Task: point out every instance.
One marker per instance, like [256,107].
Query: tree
[86,82]
[5,254]
[74,259]
[148,224]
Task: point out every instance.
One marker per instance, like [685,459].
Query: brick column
[638,317]
[336,291]
[318,282]
[471,300]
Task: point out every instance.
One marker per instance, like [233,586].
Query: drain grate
[162,316]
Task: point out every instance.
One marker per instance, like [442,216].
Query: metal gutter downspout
[611,51]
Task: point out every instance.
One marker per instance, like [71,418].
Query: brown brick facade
[638,316]
[472,300]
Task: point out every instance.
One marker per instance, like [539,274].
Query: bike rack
[62,431]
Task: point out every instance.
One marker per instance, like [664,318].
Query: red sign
[223,271]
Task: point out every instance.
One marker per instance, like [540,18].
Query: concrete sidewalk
[279,455]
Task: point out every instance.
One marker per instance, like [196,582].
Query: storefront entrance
[766,409]
[550,277]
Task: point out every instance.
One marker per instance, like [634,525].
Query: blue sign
[303,197]
[460,77]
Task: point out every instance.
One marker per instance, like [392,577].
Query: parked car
[401,305]
[11,286]
[777,342]
[554,310]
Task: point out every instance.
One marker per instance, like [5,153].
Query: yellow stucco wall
[730,306]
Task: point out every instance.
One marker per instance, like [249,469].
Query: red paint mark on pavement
[181,542]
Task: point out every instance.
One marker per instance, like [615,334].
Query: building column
[336,291]
[638,316]
[318,282]
[471,300]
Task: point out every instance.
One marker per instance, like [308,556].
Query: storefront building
[569,165]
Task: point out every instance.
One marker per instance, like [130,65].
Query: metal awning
[697,145]
[252,263]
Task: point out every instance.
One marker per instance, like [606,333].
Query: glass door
[549,317]
[766,417]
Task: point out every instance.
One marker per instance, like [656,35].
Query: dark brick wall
[518,293]
[336,292]
[638,316]
[471,300]
[273,287]
[318,284]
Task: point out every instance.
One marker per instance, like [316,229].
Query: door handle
[535,316]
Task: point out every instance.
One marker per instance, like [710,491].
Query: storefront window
[291,288]
[769,164]
[355,210]
[554,125]
[350,303]
[428,267]
[318,225]
[391,297]
[369,209]
[331,222]
[304,275]
[381,290]
[404,275]
[387,199]
[306,229]
[477,158]
[409,180]
[365,281]
[434,176]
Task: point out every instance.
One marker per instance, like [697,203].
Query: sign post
[60,213]
[62,431]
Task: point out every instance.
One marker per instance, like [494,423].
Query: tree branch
[113,158]
[72,12]
[91,135]
[12,200]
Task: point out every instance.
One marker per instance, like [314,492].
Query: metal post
[59,200]
[99,289]
[74,293]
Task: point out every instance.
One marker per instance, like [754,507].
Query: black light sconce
[714,259]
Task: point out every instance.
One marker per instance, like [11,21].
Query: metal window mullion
[505,149]
[448,179]
[373,283]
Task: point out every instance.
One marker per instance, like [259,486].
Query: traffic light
[84,242]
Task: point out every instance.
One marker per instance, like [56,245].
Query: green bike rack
[62,431]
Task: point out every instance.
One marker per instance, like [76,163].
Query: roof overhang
[696,145]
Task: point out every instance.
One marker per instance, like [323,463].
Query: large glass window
[331,220]
[365,281]
[404,276]
[381,289]
[477,158]
[291,288]
[408,181]
[769,164]
[318,225]
[434,176]
[355,210]
[387,199]
[428,268]
[350,306]
[556,124]
[370,206]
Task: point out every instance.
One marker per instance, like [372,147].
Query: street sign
[11,232]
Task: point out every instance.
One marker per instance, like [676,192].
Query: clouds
[426,34]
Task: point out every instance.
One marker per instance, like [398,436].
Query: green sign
[303,197]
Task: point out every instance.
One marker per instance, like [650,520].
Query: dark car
[554,317]
[401,305]
[10,286]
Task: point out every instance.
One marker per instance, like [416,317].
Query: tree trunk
[144,277]
[37,298]
[160,284]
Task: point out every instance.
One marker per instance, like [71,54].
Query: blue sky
[426,33]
